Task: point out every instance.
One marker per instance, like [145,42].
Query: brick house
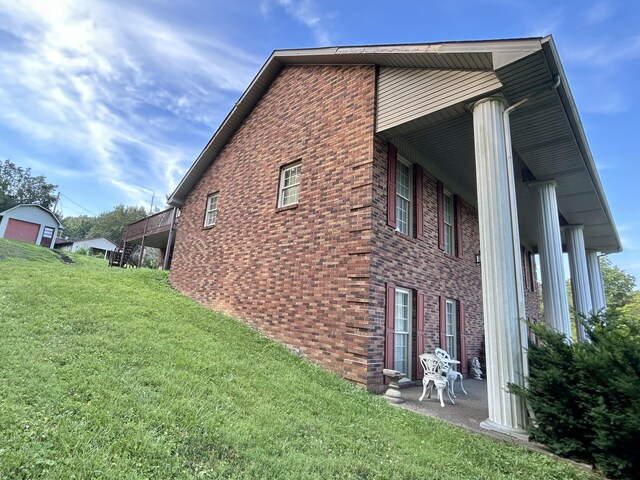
[360,204]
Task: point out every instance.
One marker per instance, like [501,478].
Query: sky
[114,100]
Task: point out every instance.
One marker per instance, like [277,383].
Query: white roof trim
[33,205]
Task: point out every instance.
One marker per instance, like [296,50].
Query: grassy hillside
[109,373]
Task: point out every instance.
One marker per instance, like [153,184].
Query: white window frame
[284,200]
[211,210]
[451,327]
[406,334]
[404,226]
[450,225]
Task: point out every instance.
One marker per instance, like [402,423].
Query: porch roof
[548,137]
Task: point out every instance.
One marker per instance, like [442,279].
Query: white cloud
[628,236]
[608,103]
[547,23]
[306,12]
[114,84]
[605,53]
[600,12]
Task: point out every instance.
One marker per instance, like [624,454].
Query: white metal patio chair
[451,374]
[432,366]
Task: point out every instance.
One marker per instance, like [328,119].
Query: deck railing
[156,223]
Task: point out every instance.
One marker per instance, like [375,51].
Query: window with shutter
[390,326]
[418,186]
[419,333]
[403,197]
[449,222]
[391,186]
[403,327]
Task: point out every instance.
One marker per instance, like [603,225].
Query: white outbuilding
[30,223]
[94,245]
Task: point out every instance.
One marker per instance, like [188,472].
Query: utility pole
[153,197]
[55,205]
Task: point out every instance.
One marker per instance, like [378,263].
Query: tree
[17,186]
[77,228]
[618,285]
[112,224]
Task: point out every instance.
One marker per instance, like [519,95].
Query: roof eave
[278,58]
[553,59]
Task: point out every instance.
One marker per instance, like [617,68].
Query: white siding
[405,94]
[99,243]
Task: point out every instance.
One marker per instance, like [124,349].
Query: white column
[580,290]
[598,299]
[501,297]
[554,289]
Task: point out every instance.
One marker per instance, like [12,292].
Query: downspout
[524,344]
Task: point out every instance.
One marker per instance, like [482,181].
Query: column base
[517,433]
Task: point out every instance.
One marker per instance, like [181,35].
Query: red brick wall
[299,275]
[313,277]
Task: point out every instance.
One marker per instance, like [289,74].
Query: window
[451,328]
[289,185]
[212,210]
[449,225]
[402,341]
[403,197]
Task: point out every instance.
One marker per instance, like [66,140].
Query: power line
[76,203]
[63,209]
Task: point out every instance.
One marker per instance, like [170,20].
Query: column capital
[495,98]
[541,183]
[572,227]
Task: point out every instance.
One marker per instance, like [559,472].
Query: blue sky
[113,100]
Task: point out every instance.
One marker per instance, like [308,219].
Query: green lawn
[110,373]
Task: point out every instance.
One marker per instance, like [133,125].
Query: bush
[586,397]
[84,250]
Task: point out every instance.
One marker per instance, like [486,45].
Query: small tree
[78,228]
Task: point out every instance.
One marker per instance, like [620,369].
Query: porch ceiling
[548,143]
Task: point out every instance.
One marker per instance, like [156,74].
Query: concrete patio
[468,412]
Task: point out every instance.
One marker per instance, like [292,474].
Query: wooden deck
[152,226]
